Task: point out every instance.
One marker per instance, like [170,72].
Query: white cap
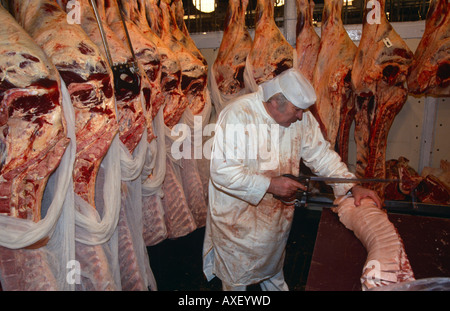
[293,85]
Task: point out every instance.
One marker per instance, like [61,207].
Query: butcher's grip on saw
[301,197]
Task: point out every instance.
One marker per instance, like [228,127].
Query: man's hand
[360,193]
[284,187]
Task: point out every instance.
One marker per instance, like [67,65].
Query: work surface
[338,256]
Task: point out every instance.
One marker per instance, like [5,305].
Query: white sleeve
[320,158]
[228,170]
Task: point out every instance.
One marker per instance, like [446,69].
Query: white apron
[247,229]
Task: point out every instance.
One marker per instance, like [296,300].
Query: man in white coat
[258,138]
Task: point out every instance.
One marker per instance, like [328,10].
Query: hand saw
[301,196]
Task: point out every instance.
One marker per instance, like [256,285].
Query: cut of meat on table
[89,82]
[432,190]
[270,54]
[443,172]
[177,214]
[431,186]
[130,113]
[378,77]
[193,70]
[430,71]
[394,168]
[236,44]
[387,262]
[334,108]
[32,125]
[307,41]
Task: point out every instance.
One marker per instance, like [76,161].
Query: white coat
[246,228]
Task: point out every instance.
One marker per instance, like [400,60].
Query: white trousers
[275,283]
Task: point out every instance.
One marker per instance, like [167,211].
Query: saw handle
[301,196]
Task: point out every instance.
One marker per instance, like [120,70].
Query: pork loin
[386,262]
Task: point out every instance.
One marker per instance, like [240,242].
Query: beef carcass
[307,41]
[130,113]
[430,71]
[97,272]
[158,22]
[170,66]
[378,77]
[334,109]
[386,262]
[33,129]
[270,53]
[194,69]
[33,141]
[146,53]
[88,79]
[184,37]
[229,65]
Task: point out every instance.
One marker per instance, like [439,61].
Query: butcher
[259,137]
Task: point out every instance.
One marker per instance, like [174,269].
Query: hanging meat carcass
[33,141]
[227,72]
[146,53]
[430,71]
[307,40]
[387,262]
[193,70]
[378,78]
[270,53]
[88,79]
[334,109]
[182,176]
[98,272]
[193,64]
[130,113]
[184,37]
[33,136]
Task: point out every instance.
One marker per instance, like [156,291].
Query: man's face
[285,113]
